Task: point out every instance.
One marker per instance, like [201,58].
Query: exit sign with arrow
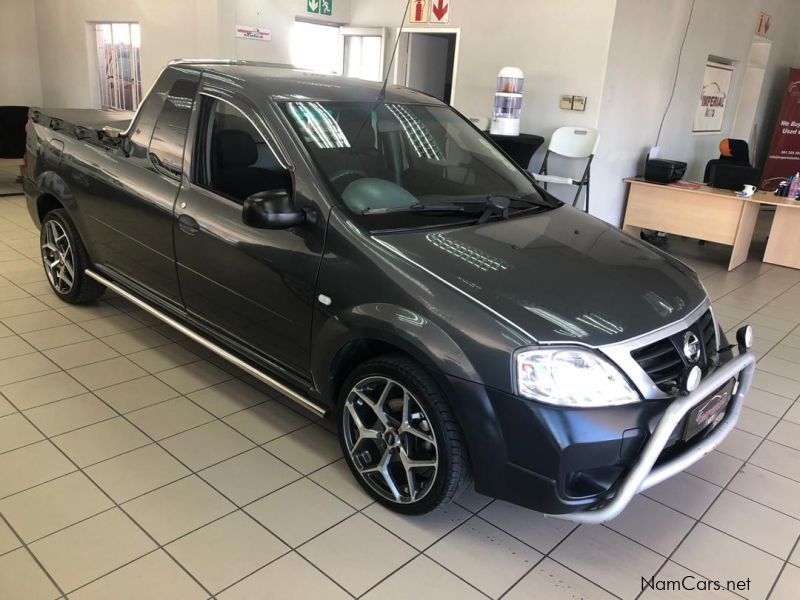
[320,7]
[440,11]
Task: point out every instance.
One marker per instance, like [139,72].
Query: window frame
[158,163]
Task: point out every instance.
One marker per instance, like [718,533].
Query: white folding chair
[570,142]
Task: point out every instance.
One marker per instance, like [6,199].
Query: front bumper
[584,464]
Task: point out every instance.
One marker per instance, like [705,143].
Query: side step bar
[216,349]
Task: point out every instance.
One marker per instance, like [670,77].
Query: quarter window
[169,133]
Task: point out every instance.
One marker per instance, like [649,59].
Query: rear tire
[399,437]
[65,260]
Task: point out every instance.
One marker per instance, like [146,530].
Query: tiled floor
[134,465]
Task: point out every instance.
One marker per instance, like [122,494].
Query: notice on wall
[440,11]
[320,7]
[253,33]
[418,11]
[783,159]
[713,99]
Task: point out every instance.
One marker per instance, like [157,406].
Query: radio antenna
[382,93]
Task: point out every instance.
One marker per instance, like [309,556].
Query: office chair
[570,142]
[732,170]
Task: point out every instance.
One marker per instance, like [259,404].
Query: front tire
[65,260]
[399,436]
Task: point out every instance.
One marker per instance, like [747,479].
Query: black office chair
[732,170]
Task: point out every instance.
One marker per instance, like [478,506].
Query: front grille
[664,361]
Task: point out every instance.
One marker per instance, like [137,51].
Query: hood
[562,276]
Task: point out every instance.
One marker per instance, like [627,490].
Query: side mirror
[272,209]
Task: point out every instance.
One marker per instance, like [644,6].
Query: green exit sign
[320,7]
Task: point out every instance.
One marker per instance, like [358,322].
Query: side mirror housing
[273,209]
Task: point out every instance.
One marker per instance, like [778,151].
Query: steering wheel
[347,173]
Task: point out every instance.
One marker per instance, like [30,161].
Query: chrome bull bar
[642,475]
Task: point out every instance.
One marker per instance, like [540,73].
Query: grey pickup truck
[374,257]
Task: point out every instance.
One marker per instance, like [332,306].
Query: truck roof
[284,82]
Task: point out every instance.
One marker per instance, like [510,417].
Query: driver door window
[233,158]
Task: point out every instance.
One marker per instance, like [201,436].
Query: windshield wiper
[495,204]
[443,208]
[532,199]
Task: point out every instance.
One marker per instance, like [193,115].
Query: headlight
[571,377]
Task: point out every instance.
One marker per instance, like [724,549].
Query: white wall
[561,46]
[641,68]
[19,55]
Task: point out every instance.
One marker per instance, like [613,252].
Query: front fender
[409,331]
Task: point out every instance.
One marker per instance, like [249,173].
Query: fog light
[693,378]
[744,337]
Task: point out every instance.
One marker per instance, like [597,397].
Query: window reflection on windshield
[392,155]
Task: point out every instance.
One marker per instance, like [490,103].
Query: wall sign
[783,158]
[440,11]
[764,23]
[320,7]
[418,12]
[713,99]
[253,33]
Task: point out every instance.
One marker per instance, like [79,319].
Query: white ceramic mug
[749,190]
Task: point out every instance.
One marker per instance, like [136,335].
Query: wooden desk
[715,215]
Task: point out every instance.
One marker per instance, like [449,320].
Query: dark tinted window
[169,134]
[234,159]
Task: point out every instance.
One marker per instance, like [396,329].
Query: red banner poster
[783,159]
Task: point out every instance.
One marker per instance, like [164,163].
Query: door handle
[188,224]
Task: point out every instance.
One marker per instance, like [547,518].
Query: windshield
[385,161]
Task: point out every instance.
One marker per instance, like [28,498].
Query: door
[362,52]
[131,191]
[253,287]
[427,62]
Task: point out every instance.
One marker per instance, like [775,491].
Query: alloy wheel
[57,256]
[390,439]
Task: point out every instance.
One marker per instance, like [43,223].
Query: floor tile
[228,397]
[105,326]
[82,353]
[779,366]
[16,431]
[340,552]
[652,524]
[307,449]
[782,386]
[107,372]
[472,500]
[137,472]
[14,346]
[100,441]
[21,306]
[788,584]
[754,523]
[155,576]
[484,556]
[730,559]
[716,467]
[54,505]
[756,422]
[685,493]
[339,481]
[278,511]
[203,446]
[423,578]
[162,358]
[533,528]
[193,377]
[22,579]
[793,414]
[31,465]
[768,488]
[178,508]
[91,548]
[767,402]
[266,421]
[35,322]
[249,476]
[420,531]
[739,444]
[8,539]
[24,367]
[786,433]
[71,413]
[41,390]
[778,458]
[87,312]
[552,581]
[597,553]
[795,557]
[54,337]
[135,340]
[226,550]
[6,408]
[170,417]
[135,394]
[290,577]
